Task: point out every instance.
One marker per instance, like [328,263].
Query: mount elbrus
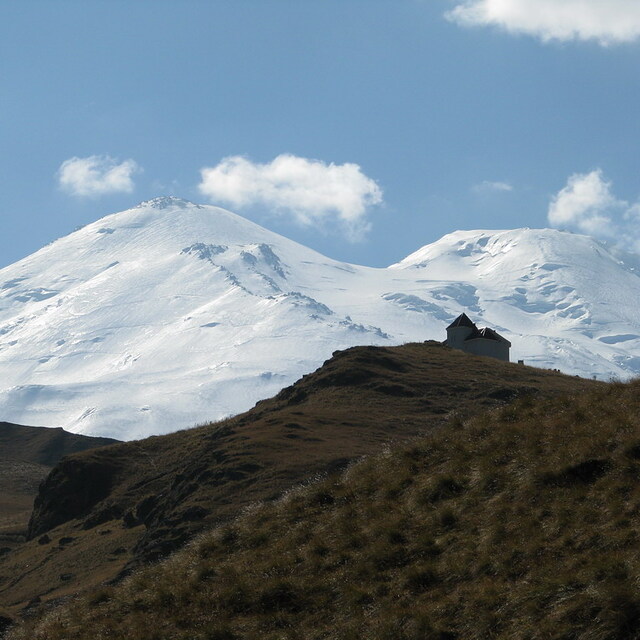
[171,313]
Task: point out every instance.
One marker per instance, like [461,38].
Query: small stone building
[464,335]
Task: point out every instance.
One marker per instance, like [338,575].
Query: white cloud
[605,21]
[488,186]
[310,191]
[587,204]
[97,175]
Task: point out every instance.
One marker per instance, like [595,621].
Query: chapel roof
[486,334]
[462,321]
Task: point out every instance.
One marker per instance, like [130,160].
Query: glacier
[171,313]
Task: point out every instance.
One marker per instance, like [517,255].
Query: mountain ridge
[170,314]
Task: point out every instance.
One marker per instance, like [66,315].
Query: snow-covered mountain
[172,313]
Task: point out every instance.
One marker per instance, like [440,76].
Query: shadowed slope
[43,445]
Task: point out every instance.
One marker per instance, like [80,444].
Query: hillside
[170,314]
[521,522]
[103,512]
[27,455]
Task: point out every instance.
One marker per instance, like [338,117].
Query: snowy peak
[162,316]
[167,202]
[170,220]
[537,271]
[147,236]
[171,313]
[542,247]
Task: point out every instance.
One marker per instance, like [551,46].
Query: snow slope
[171,313]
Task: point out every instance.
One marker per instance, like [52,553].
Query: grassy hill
[101,513]
[522,522]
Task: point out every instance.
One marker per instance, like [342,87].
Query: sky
[361,128]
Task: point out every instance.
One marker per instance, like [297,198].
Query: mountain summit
[173,313]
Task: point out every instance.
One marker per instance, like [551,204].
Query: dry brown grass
[154,495]
[520,523]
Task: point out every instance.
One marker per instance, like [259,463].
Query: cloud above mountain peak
[97,175]
[587,204]
[311,192]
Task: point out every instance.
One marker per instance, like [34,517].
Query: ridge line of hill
[104,512]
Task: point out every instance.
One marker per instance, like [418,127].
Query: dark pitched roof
[462,321]
[486,334]
[493,335]
[490,334]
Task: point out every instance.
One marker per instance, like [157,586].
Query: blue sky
[423,121]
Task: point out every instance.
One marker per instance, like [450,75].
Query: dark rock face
[27,455]
[70,491]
